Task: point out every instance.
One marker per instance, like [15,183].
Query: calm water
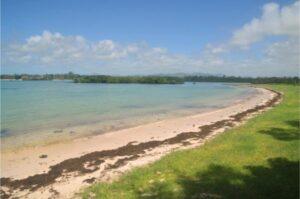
[46,109]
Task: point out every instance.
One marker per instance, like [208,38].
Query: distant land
[150,79]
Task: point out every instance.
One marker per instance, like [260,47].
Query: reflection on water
[49,110]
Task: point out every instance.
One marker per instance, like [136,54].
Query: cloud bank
[53,51]
[274,21]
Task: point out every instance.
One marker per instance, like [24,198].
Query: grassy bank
[259,159]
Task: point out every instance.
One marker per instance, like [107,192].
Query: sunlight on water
[44,109]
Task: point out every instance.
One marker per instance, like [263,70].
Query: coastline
[106,156]
[65,129]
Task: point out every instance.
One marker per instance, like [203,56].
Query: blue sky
[182,28]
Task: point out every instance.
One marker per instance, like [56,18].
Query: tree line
[151,79]
[234,79]
[66,76]
[129,79]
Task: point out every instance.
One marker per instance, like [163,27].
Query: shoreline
[106,156]
[44,136]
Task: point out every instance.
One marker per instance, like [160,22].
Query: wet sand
[61,170]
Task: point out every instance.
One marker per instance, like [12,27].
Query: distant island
[149,79]
[38,77]
[129,79]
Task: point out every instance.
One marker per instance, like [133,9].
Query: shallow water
[37,111]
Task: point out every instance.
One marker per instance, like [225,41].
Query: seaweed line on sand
[134,151]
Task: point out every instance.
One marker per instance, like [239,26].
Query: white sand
[26,162]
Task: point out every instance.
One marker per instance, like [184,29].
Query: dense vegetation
[256,80]
[129,79]
[98,78]
[152,79]
[25,77]
[259,159]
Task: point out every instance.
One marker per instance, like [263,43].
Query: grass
[259,159]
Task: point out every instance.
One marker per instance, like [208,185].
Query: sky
[139,37]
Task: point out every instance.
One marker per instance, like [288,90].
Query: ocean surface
[35,112]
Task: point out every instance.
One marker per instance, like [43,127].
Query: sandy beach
[61,170]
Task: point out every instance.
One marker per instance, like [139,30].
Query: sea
[44,112]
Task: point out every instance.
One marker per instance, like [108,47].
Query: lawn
[259,159]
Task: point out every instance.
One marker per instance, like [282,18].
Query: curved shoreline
[42,136]
[107,161]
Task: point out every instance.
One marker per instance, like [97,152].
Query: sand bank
[61,170]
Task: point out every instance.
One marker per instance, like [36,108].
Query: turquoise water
[29,107]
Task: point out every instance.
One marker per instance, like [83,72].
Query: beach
[61,170]
[37,113]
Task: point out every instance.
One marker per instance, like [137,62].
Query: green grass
[259,159]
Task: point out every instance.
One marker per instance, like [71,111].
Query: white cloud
[46,49]
[55,50]
[209,48]
[281,58]
[274,21]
